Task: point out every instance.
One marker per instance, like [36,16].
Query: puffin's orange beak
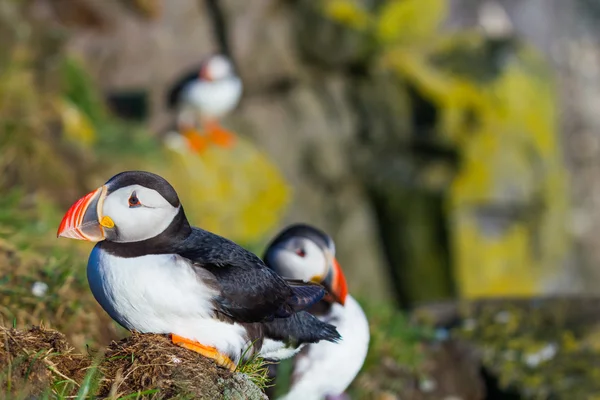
[335,282]
[83,221]
[204,75]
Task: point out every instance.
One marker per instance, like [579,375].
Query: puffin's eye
[300,252]
[134,201]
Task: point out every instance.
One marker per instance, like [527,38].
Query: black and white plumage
[321,370]
[200,100]
[154,273]
[209,92]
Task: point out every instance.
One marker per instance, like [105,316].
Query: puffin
[321,370]
[152,272]
[204,96]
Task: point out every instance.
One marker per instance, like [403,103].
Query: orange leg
[219,135]
[206,351]
[197,142]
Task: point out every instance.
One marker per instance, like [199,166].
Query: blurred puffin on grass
[201,98]
[237,191]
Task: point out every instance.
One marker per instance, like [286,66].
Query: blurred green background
[450,147]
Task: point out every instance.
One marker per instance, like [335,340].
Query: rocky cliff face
[371,154]
[298,112]
[567,34]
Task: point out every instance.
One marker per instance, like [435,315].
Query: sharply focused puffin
[204,97]
[321,370]
[154,273]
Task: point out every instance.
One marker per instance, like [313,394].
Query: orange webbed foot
[219,135]
[207,351]
[196,141]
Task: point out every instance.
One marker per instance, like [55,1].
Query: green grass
[395,341]
[284,375]
[90,383]
[255,368]
[139,394]
[63,389]
[30,253]
[395,336]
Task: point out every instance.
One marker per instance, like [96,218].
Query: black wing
[175,91]
[249,290]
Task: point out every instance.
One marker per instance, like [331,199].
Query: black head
[132,207]
[145,179]
[305,252]
[304,231]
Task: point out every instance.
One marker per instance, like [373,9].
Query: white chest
[215,99]
[329,368]
[162,294]
[149,293]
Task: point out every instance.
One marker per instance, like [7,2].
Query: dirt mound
[147,362]
[33,361]
[40,361]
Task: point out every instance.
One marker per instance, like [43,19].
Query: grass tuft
[257,370]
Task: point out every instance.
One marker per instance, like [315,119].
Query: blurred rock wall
[299,115]
[568,34]
[305,103]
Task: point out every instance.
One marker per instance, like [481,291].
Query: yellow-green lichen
[495,102]
[541,348]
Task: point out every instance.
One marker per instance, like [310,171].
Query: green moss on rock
[542,348]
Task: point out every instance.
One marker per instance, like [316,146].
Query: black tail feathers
[304,295]
[301,328]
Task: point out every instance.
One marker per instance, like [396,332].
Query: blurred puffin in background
[321,370]
[202,98]
[154,273]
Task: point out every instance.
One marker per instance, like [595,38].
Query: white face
[298,258]
[138,213]
[219,67]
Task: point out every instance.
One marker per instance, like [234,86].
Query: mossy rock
[542,348]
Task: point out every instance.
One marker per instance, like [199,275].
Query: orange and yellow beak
[204,74]
[335,283]
[83,221]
